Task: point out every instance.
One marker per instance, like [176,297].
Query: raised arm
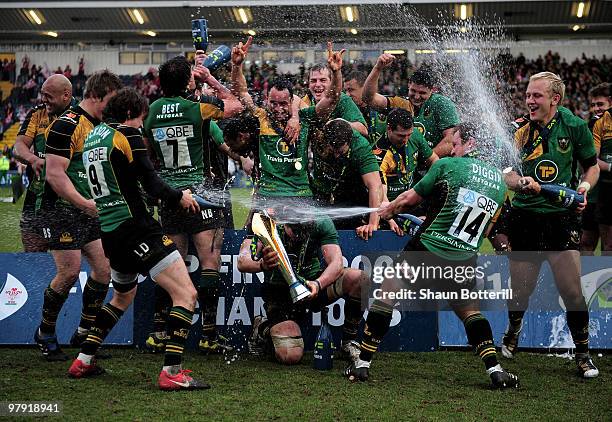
[370,88]
[239,83]
[332,95]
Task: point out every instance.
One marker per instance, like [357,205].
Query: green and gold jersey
[436,115]
[107,154]
[602,137]
[552,157]
[304,252]
[34,126]
[177,129]
[465,194]
[377,132]
[283,167]
[64,137]
[345,109]
[338,180]
[399,164]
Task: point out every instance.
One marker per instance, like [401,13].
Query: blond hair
[555,84]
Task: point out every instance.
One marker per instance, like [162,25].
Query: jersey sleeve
[363,156]
[598,131]
[211,107]
[348,110]
[447,113]
[59,137]
[583,142]
[326,231]
[425,186]
[423,147]
[399,102]
[30,124]
[216,134]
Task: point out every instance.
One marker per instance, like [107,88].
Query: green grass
[403,386]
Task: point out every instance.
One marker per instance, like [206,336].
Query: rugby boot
[510,342]
[500,378]
[79,369]
[218,345]
[50,348]
[180,381]
[156,343]
[585,365]
[356,371]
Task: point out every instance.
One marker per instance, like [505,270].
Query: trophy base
[298,292]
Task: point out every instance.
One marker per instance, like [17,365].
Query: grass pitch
[447,385]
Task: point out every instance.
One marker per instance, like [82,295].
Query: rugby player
[435,115]
[177,129]
[453,232]
[375,120]
[319,81]
[66,205]
[341,157]
[601,104]
[56,96]
[407,148]
[549,146]
[303,242]
[117,165]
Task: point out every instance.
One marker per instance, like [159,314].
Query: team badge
[66,238]
[546,171]
[166,240]
[427,112]
[282,147]
[420,127]
[563,144]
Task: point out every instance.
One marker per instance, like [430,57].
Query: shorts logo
[563,144]
[166,240]
[574,237]
[546,171]
[66,238]
[282,147]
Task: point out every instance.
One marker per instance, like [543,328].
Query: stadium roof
[282,20]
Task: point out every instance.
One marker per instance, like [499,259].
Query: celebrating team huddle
[105,162]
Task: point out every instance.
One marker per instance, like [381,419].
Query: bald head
[56,94]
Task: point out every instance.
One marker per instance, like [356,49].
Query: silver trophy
[265,229]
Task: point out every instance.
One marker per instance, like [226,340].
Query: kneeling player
[303,242]
[116,162]
[453,233]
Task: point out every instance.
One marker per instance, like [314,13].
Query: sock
[52,305]
[179,323]
[105,320]
[162,307]
[352,316]
[86,359]
[515,319]
[376,326]
[578,323]
[94,294]
[172,369]
[208,296]
[480,336]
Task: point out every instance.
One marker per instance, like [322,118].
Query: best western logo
[546,171]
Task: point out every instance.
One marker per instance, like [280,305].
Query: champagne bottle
[199,34]
[324,345]
[408,223]
[562,196]
[218,58]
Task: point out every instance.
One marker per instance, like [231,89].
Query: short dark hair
[174,76]
[358,76]
[337,132]
[317,68]
[399,117]
[282,84]
[101,83]
[233,127]
[423,77]
[467,130]
[127,104]
[601,90]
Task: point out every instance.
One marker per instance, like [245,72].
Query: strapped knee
[124,282]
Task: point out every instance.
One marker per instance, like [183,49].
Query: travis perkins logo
[12,295]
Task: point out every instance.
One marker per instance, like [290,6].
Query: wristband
[585,185]
[261,266]
[318,285]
